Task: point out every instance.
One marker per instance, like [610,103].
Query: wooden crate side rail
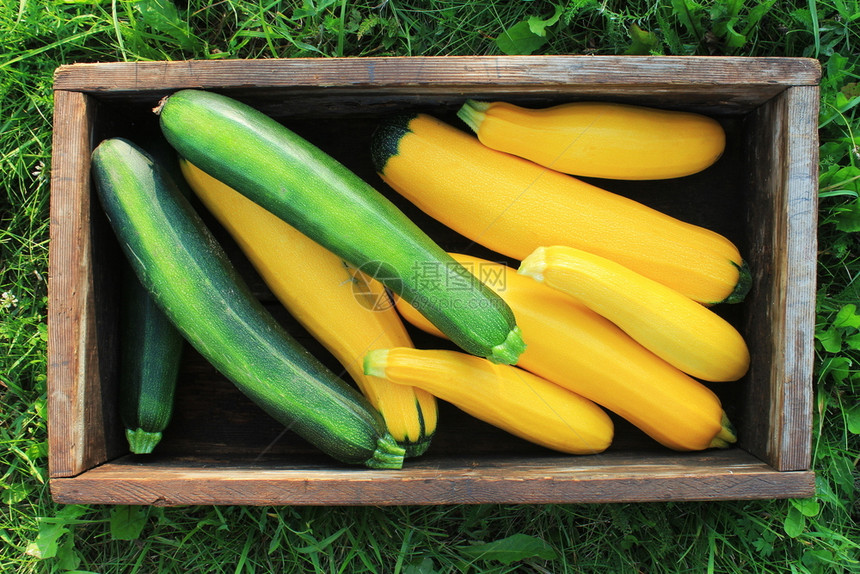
[718,73]
[782,253]
[791,415]
[730,475]
[70,312]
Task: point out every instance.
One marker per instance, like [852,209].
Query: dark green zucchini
[190,277]
[150,350]
[310,190]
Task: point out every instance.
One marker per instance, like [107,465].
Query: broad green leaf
[642,41]
[794,522]
[538,26]
[853,341]
[756,13]
[690,14]
[15,492]
[839,368]
[734,39]
[519,40]
[162,15]
[849,219]
[47,540]
[847,317]
[510,549]
[807,506]
[819,561]
[852,419]
[127,522]
[67,557]
[312,9]
[830,339]
[37,450]
[847,177]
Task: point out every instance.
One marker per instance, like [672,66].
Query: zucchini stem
[743,285]
[417,448]
[388,454]
[534,265]
[508,352]
[473,113]
[727,435]
[141,441]
[375,362]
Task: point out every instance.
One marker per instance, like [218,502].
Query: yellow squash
[682,332]
[507,397]
[348,312]
[600,139]
[513,206]
[574,347]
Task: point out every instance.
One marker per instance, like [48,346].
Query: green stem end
[473,113]
[417,448]
[508,352]
[727,435]
[388,454]
[375,362]
[534,264]
[141,441]
[743,285]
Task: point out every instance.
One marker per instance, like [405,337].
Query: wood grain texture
[444,72]
[622,477]
[70,316]
[721,82]
[82,361]
[783,250]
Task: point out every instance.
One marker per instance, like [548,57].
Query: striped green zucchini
[189,276]
[290,177]
[150,350]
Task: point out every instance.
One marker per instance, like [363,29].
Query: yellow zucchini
[513,206]
[600,139]
[682,332]
[574,347]
[507,397]
[320,291]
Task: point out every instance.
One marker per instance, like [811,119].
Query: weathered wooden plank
[70,317]
[624,477]
[82,360]
[546,72]
[791,418]
[782,225]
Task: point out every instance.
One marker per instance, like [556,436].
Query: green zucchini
[150,350]
[190,277]
[287,175]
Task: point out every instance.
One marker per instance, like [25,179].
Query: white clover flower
[7,300]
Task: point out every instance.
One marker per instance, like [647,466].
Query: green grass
[819,535]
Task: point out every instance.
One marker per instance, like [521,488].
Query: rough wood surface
[82,360]
[548,72]
[71,344]
[622,477]
[783,250]
[722,82]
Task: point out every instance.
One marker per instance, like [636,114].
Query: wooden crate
[220,449]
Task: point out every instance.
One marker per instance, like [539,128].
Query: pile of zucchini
[598,317]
